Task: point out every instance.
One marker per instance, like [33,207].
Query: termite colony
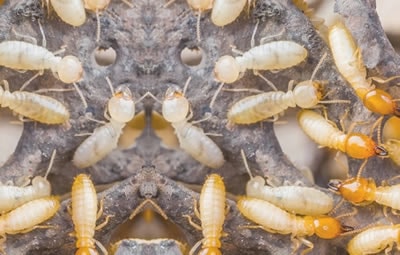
[169,125]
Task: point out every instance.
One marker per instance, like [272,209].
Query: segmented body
[355,145]
[226,11]
[28,215]
[212,212]
[374,240]
[40,108]
[294,199]
[70,11]
[84,212]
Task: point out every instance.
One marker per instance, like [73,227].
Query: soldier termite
[270,56]
[252,109]
[325,134]
[104,139]
[374,240]
[12,196]
[40,108]
[349,62]
[211,214]
[294,199]
[70,11]
[175,109]
[275,220]
[26,217]
[85,215]
[226,11]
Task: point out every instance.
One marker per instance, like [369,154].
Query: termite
[192,139]
[294,199]
[40,108]
[270,56]
[85,214]
[104,139]
[28,216]
[276,220]
[391,138]
[13,196]
[211,215]
[70,11]
[252,109]
[325,134]
[225,12]
[374,240]
[26,56]
[349,62]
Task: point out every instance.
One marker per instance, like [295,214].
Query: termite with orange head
[294,199]
[276,220]
[325,134]
[28,216]
[211,214]
[252,109]
[374,239]
[104,139]
[175,109]
[39,108]
[70,11]
[13,196]
[349,62]
[225,12]
[85,215]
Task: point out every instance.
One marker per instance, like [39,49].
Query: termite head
[307,94]
[210,251]
[254,185]
[121,105]
[355,190]
[200,5]
[328,228]
[175,106]
[226,69]
[69,69]
[361,146]
[86,251]
[41,186]
[381,102]
[96,5]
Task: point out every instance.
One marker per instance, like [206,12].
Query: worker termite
[325,134]
[226,11]
[13,196]
[70,11]
[26,56]
[275,220]
[104,139]
[252,109]
[40,108]
[26,217]
[211,214]
[349,62]
[391,138]
[270,56]
[175,109]
[294,199]
[374,240]
[85,214]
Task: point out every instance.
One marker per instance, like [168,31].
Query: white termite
[294,199]
[226,11]
[192,139]
[70,11]
[13,196]
[121,108]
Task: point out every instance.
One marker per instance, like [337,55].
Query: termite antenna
[252,41]
[85,104]
[361,169]
[53,156]
[246,165]
[110,85]
[215,95]
[316,69]
[98,26]
[186,85]
[44,42]
[140,208]
[337,206]
[148,93]
[198,26]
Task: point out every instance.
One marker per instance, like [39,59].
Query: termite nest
[147,81]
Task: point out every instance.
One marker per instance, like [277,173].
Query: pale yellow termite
[121,108]
[13,196]
[391,138]
[85,214]
[294,199]
[211,214]
[192,139]
[26,56]
[374,240]
[324,133]
[275,220]
[70,11]
[226,11]
[28,216]
[40,108]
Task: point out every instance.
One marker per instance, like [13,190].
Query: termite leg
[307,243]
[156,206]
[128,3]
[208,116]
[30,80]
[80,95]
[196,226]
[380,80]
[69,209]
[30,229]
[196,209]
[266,80]
[265,39]
[100,211]
[101,246]
[105,222]
[25,37]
